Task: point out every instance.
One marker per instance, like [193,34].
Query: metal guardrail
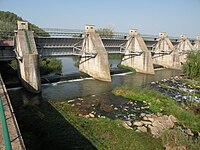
[6,137]
[57,32]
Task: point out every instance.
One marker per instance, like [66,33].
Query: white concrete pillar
[94,60]
[137,55]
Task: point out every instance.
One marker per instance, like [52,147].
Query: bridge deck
[68,46]
[14,132]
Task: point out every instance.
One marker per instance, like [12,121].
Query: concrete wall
[98,66]
[28,66]
[165,53]
[184,46]
[197,43]
[142,63]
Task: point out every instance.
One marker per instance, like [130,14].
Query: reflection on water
[70,63]
[85,87]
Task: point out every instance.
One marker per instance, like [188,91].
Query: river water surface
[85,87]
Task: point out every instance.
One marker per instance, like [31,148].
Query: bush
[192,66]
[50,65]
[105,32]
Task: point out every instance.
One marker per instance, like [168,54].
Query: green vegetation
[106,133]
[47,66]
[59,126]
[50,65]
[114,56]
[8,23]
[105,32]
[176,138]
[191,83]
[192,65]
[161,103]
[127,68]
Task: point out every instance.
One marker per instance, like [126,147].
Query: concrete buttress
[165,54]
[94,59]
[137,55]
[184,46]
[28,66]
[197,43]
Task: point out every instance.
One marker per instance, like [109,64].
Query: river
[36,117]
[87,86]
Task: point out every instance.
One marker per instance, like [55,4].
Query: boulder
[189,132]
[125,125]
[128,123]
[151,119]
[154,131]
[141,129]
[91,115]
[138,123]
[172,118]
[157,124]
[142,114]
[146,123]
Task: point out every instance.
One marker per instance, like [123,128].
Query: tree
[105,32]
[8,24]
[192,65]
[50,65]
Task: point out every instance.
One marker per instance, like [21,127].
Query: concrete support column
[197,43]
[165,54]
[28,66]
[94,59]
[184,46]
[137,55]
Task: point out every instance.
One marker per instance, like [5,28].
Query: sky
[174,17]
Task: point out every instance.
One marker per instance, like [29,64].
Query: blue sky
[148,16]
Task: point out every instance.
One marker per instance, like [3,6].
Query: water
[69,64]
[178,91]
[85,87]
[93,92]
[88,96]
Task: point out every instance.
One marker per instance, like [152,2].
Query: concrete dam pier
[137,55]
[94,60]
[28,67]
[165,54]
[184,46]
[138,52]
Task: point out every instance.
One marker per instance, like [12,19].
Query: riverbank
[89,128]
[174,113]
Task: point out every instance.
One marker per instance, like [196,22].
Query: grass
[56,125]
[127,68]
[108,134]
[161,103]
[176,138]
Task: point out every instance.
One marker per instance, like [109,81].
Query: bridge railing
[5,132]
[57,32]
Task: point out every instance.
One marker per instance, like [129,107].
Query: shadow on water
[43,127]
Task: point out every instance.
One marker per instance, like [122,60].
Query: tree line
[8,23]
